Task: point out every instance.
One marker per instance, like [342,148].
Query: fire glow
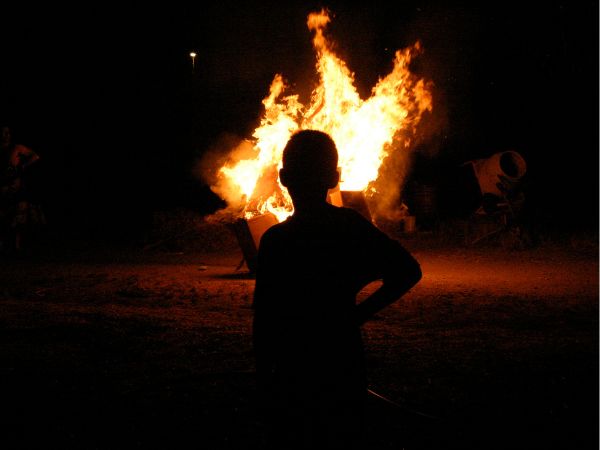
[365,131]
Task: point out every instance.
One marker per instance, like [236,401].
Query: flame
[365,131]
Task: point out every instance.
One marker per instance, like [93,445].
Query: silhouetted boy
[307,340]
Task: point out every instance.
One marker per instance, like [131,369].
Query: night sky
[106,94]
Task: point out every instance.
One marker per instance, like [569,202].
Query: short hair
[310,157]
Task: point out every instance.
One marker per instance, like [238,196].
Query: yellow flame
[365,131]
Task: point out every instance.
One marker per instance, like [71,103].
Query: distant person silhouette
[20,213]
[306,331]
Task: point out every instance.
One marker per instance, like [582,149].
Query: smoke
[411,107]
[384,197]
[429,135]
[227,150]
[425,139]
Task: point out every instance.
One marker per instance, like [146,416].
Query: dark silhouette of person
[20,210]
[306,331]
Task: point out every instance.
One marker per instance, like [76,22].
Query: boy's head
[310,161]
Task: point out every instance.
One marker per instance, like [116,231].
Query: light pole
[193,56]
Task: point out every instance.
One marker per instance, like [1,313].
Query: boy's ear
[283,177]
[333,179]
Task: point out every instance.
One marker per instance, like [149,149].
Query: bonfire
[368,132]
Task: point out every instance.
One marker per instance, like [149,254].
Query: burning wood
[356,200]
[366,132]
[248,233]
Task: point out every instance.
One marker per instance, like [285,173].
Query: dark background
[105,94]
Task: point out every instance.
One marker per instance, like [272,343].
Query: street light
[193,56]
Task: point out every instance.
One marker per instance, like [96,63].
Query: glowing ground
[114,349]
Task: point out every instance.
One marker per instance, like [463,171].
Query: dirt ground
[106,348]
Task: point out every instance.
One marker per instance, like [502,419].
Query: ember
[365,131]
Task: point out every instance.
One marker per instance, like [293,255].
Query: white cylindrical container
[509,164]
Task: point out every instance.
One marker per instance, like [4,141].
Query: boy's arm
[401,273]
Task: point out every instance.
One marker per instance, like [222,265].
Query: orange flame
[365,131]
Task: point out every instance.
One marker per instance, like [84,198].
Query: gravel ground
[149,348]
